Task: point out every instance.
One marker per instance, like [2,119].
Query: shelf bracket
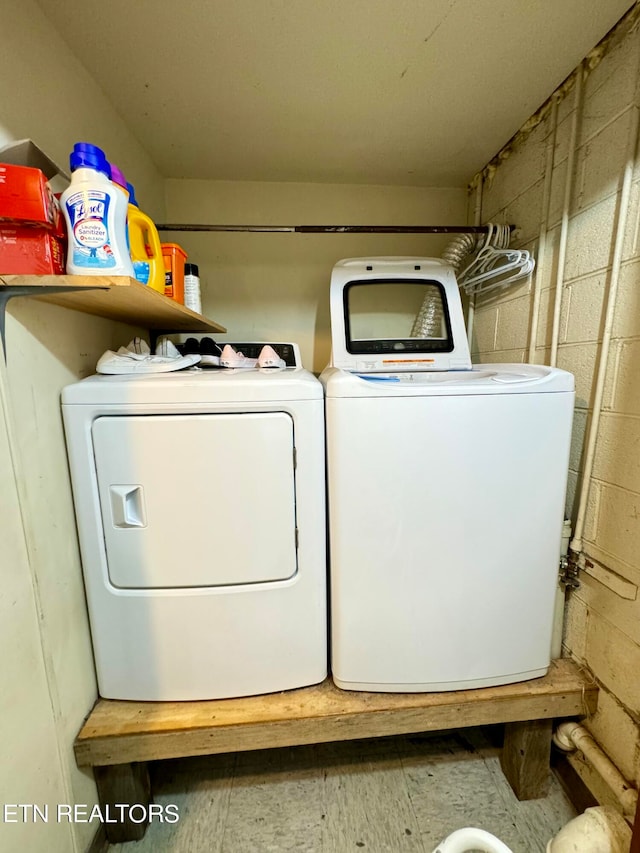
[8,291]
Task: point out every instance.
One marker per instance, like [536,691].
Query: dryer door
[197,500]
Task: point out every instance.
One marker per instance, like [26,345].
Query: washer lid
[196,387]
[482,379]
[396,314]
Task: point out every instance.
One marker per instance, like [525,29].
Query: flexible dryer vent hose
[428,322]
[458,250]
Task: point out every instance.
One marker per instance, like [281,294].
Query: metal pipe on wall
[570,736]
[564,226]
[623,211]
[477,218]
[544,227]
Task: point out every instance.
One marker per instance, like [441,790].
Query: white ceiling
[398,92]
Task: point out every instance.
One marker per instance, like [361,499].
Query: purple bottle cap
[118,178]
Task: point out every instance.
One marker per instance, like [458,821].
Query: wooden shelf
[120,298]
[121,732]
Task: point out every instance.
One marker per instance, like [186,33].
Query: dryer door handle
[127,506]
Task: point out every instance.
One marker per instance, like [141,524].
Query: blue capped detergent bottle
[95,213]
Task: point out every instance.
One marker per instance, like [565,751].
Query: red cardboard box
[25,250]
[32,232]
[26,197]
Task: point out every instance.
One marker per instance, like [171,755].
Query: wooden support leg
[125,785]
[525,757]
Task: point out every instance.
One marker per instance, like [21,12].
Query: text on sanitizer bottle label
[89,214]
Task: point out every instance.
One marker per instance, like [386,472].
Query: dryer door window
[197,500]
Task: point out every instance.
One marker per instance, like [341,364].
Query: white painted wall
[31,769]
[603,616]
[48,682]
[46,95]
[265,286]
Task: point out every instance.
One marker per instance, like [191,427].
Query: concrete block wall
[602,626]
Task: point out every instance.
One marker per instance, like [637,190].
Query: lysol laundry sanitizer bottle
[95,213]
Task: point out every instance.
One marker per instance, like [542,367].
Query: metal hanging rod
[335,229]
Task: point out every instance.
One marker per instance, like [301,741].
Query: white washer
[200,506]
[446,498]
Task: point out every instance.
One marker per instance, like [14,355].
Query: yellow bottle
[144,245]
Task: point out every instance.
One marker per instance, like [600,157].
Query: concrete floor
[397,794]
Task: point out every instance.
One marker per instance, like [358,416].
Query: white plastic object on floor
[598,830]
[469,840]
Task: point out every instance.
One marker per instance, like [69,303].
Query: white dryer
[199,500]
[446,494]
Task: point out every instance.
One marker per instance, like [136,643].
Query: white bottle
[192,288]
[95,213]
